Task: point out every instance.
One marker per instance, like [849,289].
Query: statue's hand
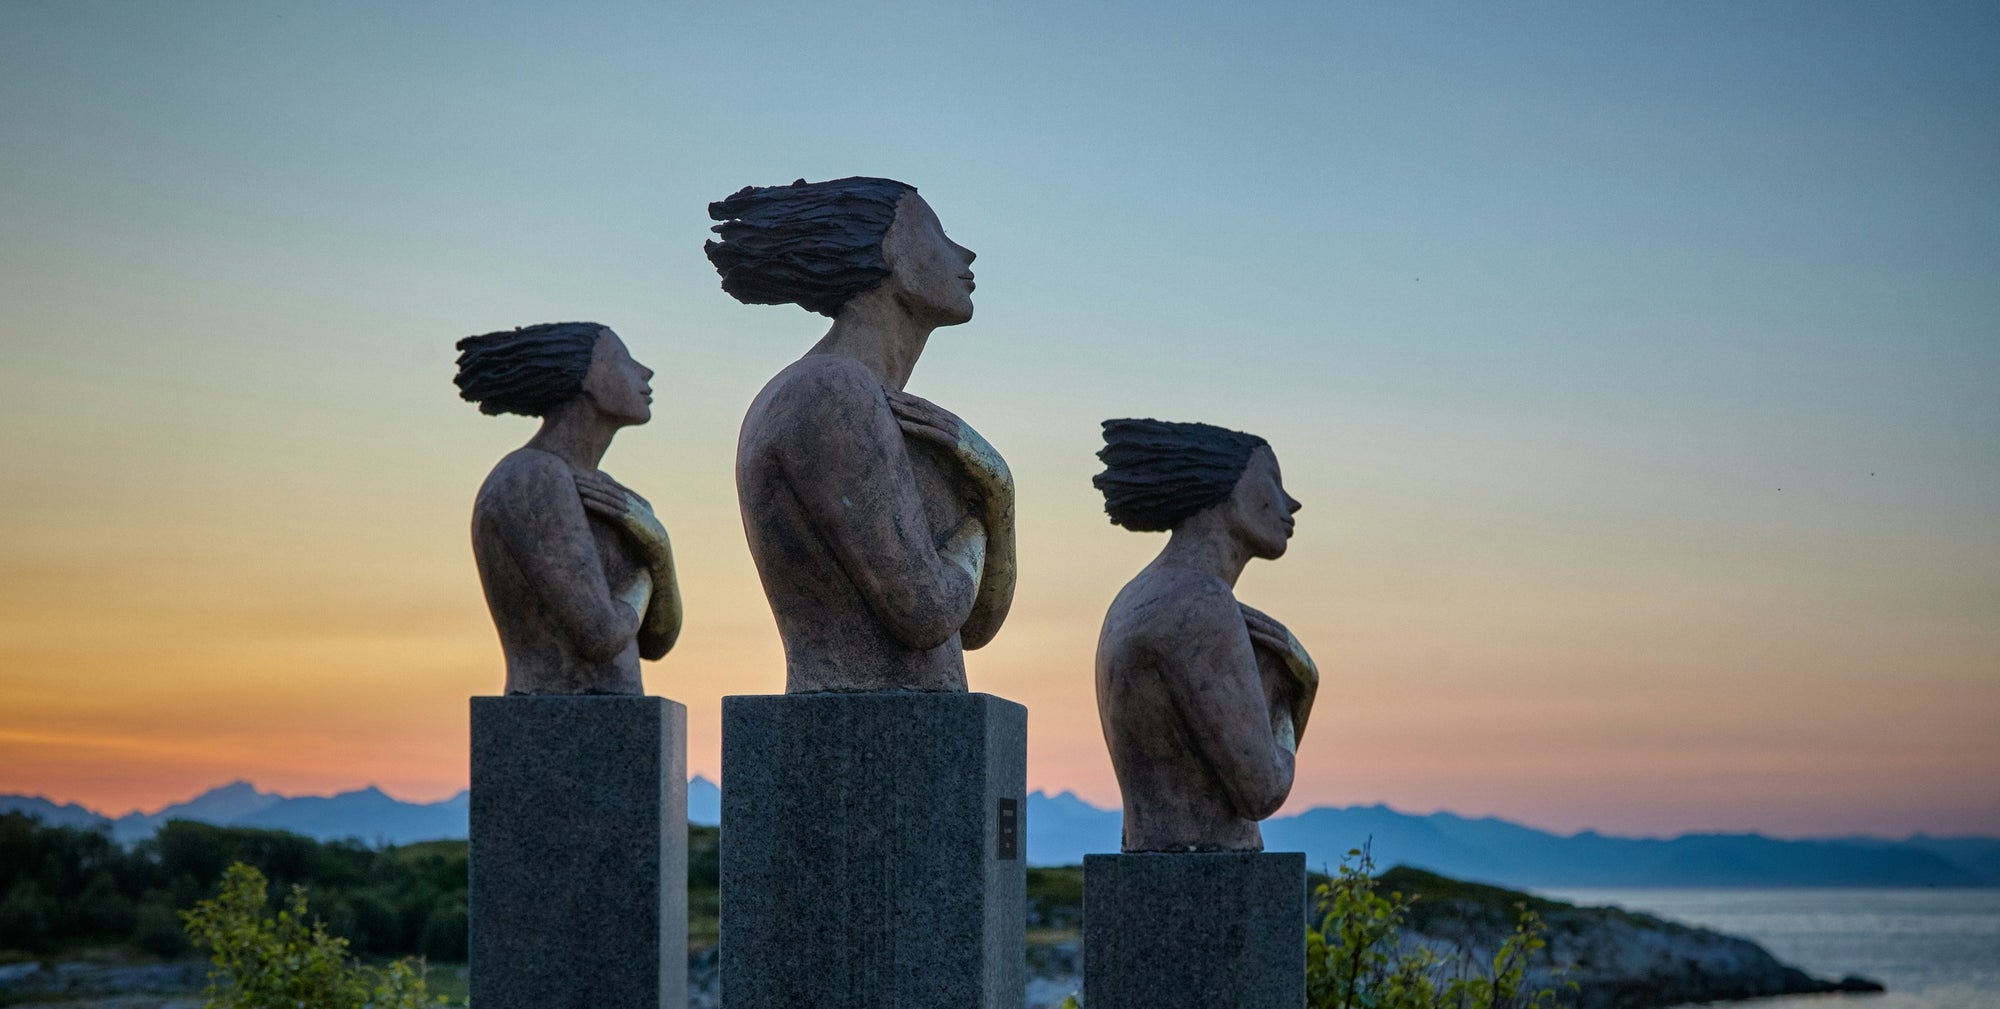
[614,501]
[1268,633]
[926,421]
[991,534]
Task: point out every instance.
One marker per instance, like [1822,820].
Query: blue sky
[1635,364]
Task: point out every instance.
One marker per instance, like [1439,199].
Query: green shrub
[80,890]
[158,931]
[26,918]
[260,962]
[1355,958]
[1055,897]
[102,910]
[447,932]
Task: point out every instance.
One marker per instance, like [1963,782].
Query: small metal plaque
[1010,829]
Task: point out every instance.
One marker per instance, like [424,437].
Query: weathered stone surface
[578,853]
[1194,930]
[1202,699]
[882,525]
[864,859]
[578,573]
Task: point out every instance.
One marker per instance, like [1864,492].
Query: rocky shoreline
[1618,959]
[73,984]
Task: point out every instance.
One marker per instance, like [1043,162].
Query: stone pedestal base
[579,853]
[871,851]
[1194,931]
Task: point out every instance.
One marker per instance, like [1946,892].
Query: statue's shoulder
[817,403]
[521,476]
[819,382]
[1161,605]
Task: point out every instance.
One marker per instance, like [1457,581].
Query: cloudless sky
[1639,367]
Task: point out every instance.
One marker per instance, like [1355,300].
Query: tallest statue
[883,531]
[882,525]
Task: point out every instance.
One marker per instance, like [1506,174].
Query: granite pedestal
[579,853]
[872,851]
[1195,930]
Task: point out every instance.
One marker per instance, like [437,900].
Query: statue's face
[618,386]
[1260,512]
[930,275]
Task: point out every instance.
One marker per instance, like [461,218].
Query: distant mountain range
[1062,828]
[368,814]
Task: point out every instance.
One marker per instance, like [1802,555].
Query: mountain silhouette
[1062,828]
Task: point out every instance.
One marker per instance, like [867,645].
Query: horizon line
[1071,794]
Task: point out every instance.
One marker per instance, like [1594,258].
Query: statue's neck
[576,433]
[881,334]
[1202,544]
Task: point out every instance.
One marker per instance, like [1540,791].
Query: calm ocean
[1934,949]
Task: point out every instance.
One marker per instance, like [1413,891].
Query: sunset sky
[1639,369]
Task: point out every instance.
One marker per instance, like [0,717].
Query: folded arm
[850,471]
[1278,640]
[657,597]
[984,468]
[541,522]
[1211,673]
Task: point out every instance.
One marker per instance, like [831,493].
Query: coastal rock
[1618,959]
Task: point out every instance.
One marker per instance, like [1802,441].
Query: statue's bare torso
[535,544]
[845,518]
[1188,709]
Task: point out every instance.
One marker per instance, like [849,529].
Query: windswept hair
[527,370]
[812,244]
[1157,473]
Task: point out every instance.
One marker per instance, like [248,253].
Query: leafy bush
[1055,897]
[262,962]
[1355,958]
[66,888]
[158,931]
[447,932]
[25,918]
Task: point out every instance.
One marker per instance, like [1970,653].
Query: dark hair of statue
[527,370]
[1158,473]
[811,244]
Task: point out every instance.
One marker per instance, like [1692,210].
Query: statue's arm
[1210,671]
[1277,639]
[987,471]
[661,626]
[846,463]
[658,598]
[541,522]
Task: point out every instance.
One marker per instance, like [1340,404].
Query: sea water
[1932,948]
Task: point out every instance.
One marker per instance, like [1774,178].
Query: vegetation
[704,884]
[64,889]
[69,889]
[1356,959]
[1356,956]
[261,962]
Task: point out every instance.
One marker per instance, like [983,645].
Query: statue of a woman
[1202,699]
[881,524]
[579,575]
